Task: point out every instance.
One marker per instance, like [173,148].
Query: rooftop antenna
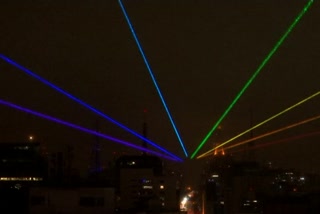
[144,130]
[251,153]
[95,152]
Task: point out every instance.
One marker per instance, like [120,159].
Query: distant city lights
[21,179]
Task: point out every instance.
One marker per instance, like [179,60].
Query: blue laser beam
[153,77]
[71,125]
[20,67]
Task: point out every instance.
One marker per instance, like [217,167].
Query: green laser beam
[274,132]
[263,122]
[264,62]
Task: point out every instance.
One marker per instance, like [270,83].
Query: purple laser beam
[2,102]
[86,105]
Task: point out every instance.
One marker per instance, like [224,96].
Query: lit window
[20,179]
[146,181]
[131,163]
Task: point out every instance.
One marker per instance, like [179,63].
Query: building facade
[143,187]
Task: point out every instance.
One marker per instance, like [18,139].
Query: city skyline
[201,53]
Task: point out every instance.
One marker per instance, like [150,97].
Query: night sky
[201,52]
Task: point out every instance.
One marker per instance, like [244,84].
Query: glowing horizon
[264,62]
[89,131]
[153,78]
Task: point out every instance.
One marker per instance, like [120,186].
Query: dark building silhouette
[236,186]
[143,186]
[21,166]
[22,162]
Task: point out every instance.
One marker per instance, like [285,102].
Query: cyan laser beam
[264,62]
[46,82]
[263,122]
[47,117]
[153,77]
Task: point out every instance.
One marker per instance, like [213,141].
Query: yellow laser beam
[261,123]
[274,132]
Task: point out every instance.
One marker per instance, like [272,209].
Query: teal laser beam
[153,77]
